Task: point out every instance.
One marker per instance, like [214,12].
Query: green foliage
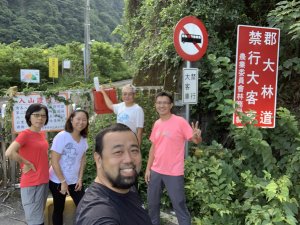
[250,144]
[219,87]
[210,187]
[57,22]
[107,63]
[268,201]
[217,92]
[290,66]
[147,30]
[285,139]
[146,100]
[255,182]
[286,16]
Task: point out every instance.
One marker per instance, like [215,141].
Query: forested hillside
[57,21]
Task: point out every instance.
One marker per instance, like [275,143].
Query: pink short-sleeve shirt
[168,138]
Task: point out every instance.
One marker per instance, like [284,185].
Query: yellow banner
[53,67]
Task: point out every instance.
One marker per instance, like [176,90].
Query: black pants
[59,200]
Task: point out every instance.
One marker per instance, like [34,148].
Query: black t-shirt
[100,205]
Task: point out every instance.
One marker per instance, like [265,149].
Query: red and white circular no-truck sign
[190,38]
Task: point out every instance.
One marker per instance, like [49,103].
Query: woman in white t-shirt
[68,161]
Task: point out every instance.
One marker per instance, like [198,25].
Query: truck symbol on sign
[192,38]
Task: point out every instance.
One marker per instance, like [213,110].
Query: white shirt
[132,116]
[71,153]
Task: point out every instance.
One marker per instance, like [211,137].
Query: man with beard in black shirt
[109,199]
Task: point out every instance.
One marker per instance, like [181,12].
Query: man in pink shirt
[166,159]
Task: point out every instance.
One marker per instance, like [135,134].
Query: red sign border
[179,26]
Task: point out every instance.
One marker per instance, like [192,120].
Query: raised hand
[196,133]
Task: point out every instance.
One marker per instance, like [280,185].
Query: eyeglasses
[36,115]
[127,93]
[162,103]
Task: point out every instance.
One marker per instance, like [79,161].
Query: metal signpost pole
[84,63]
[187,114]
[187,105]
[190,41]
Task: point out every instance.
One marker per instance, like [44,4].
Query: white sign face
[191,31]
[190,38]
[30,76]
[67,64]
[58,111]
[190,86]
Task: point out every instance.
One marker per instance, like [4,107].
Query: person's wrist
[63,181]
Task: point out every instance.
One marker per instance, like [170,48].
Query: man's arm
[107,100]
[149,164]
[140,135]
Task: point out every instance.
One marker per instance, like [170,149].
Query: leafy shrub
[256,182]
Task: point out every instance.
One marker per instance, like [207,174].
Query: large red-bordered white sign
[256,74]
[190,38]
[58,111]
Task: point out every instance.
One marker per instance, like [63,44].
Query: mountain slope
[57,21]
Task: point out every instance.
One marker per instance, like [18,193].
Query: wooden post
[3,159]
[3,146]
